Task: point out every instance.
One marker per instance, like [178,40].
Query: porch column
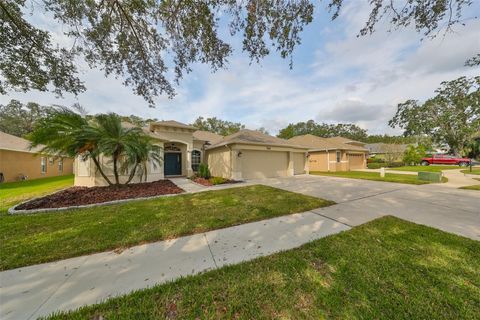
[290,170]
[189,160]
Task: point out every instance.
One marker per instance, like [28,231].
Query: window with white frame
[60,165]
[196,159]
[43,165]
[339,156]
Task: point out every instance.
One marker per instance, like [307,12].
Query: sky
[336,77]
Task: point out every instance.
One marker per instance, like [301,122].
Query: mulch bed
[77,196]
[208,183]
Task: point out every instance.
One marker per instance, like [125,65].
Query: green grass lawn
[475,170]
[37,238]
[375,176]
[432,168]
[12,193]
[385,269]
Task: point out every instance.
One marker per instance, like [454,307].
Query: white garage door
[298,163]
[264,164]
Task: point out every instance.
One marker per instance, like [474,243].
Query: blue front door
[173,164]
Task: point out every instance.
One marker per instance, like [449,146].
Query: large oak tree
[151,44]
[450,118]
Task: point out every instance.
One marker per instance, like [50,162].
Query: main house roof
[211,137]
[254,137]
[14,143]
[173,123]
[315,143]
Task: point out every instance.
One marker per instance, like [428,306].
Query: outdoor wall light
[239,154]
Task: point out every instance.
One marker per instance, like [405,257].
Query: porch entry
[173,164]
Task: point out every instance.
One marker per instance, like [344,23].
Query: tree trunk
[115,168]
[97,164]
[132,173]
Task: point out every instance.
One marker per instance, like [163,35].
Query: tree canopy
[151,44]
[218,126]
[347,130]
[19,119]
[129,149]
[451,118]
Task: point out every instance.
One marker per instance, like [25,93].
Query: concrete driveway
[359,201]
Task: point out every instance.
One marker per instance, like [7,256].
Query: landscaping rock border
[14,211]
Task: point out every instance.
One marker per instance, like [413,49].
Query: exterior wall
[15,163]
[219,162]
[318,161]
[298,163]
[87,175]
[327,161]
[338,166]
[182,136]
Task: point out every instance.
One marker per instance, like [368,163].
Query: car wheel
[463,164]
[425,163]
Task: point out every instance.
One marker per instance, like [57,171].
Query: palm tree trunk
[97,164]
[132,173]
[115,168]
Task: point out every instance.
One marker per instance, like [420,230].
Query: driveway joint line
[369,196]
[210,249]
[327,217]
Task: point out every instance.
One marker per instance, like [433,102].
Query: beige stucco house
[244,155]
[18,161]
[333,154]
[183,149]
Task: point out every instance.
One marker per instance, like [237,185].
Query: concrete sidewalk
[30,292]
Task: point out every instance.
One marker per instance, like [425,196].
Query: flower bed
[78,196]
[212,181]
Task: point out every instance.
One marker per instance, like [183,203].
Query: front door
[173,164]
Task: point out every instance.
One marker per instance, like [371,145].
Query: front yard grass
[375,176]
[37,238]
[431,168]
[475,170]
[385,269]
[12,193]
[474,187]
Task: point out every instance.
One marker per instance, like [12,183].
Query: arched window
[196,159]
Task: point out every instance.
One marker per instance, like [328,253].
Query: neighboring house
[332,154]
[386,151]
[18,161]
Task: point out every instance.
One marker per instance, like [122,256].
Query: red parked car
[445,159]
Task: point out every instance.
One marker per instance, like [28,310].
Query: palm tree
[65,132]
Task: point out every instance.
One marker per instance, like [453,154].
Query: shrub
[204,171]
[217,180]
[413,155]
[375,160]
[375,165]
[396,164]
